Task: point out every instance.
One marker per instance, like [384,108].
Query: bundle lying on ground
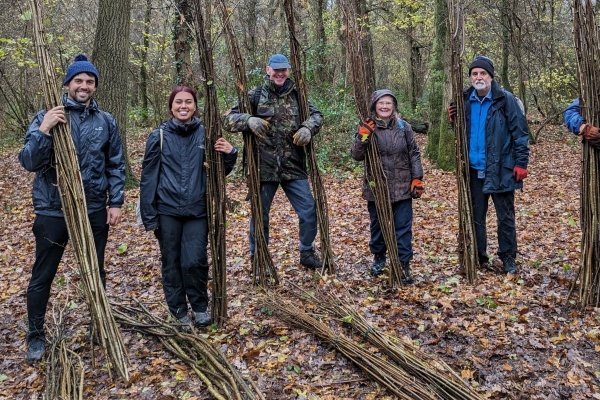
[222,380]
[386,373]
[432,373]
[74,207]
[64,370]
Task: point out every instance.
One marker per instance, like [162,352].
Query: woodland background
[510,337]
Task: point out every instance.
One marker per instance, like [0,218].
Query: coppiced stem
[263,269]
[315,176]
[587,49]
[375,175]
[215,188]
[74,207]
[467,245]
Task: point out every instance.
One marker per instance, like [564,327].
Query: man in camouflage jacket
[281,137]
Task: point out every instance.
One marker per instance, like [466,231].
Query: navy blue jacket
[173,178]
[506,140]
[99,151]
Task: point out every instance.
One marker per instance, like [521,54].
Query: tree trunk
[111,52]
[144,62]
[506,32]
[321,73]
[437,80]
[367,41]
[182,44]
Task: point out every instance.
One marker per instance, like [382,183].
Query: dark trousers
[51,237]
[183,242]
[504,203]
[301,199]
[403,215]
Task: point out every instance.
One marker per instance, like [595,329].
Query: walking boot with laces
[406,275]
[201,318]
[378,264]
[309,259]
[36,347]
[510,267]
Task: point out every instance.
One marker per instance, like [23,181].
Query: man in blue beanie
[498,138]
[281,137]
[98,145]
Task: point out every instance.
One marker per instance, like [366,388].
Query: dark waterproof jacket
[506,140]
[280,158]
[99,151]
[173,177]
[398,150]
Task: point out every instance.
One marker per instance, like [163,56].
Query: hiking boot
[36,347]
[406,276]
[378,264]
[202,318]
[309,259]
[510,267]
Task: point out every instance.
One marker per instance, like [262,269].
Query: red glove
[590,134]
[365,129]
[520,173]
[416,188]
[451,112]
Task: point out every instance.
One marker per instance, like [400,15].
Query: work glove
[302,136]
[520,173]
[258,126]
[452,112]
[365,129]
[417,188]
[590,134]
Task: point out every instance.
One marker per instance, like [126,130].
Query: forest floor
[510,337]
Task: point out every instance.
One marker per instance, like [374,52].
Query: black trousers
[183,242]
[504,203]
[51,237]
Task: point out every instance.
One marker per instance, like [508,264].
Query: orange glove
[590,134]
[365,129]
[416,188]
[520,173]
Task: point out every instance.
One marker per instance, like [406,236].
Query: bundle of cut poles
[375,175]
[74,208]
[315,177]
[587,49]
[467,245]
[263,269]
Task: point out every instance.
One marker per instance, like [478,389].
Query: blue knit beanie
[80,65]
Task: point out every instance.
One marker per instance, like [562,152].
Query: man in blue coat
[498,139]
[100,154]
[575,122]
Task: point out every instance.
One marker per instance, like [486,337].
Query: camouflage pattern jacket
[280,159]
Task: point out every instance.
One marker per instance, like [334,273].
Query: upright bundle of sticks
[587,48]
[215,193]
[315,177]
[467,245]
[74,207]
[263,269]
[375,174]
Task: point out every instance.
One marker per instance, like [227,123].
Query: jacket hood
[378,94]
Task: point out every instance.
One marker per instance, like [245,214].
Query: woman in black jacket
[173,204]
